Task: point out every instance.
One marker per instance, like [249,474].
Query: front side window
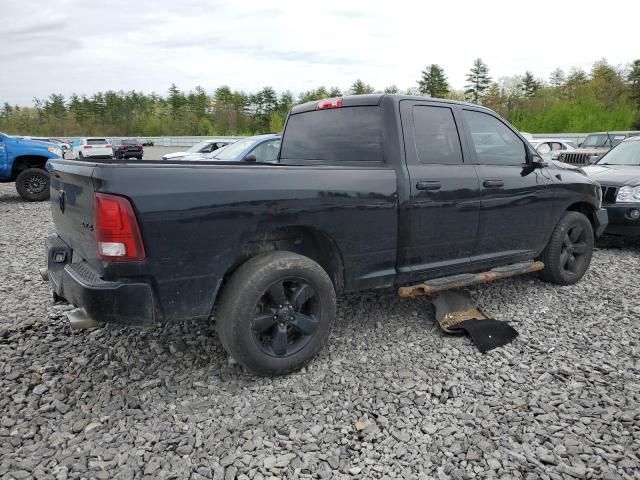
[494,142]
[436,135]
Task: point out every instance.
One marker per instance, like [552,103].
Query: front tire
[276,312]
[32,184]
[568,254]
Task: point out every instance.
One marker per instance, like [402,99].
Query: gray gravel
[392,396]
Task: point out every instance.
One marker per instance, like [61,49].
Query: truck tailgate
[72,207]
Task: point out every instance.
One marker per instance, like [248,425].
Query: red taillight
[107,146]
[87,146]
[329,103]
[116,227]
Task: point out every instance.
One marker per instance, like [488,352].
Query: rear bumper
[128,153]
[600,220]
[97,155]
[620,220]
[124,303]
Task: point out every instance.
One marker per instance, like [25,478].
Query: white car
[91,147]
[204,147]
[550,148]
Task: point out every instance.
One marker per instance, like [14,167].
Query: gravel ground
[391,397]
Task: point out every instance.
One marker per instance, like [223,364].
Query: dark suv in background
[127,148]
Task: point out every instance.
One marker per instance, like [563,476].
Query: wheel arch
[24,162]
[587,209]
[305,240]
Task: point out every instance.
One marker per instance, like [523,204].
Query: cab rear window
[347,134]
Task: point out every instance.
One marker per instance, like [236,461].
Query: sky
[66,46]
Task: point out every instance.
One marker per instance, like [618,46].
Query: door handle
[493,183]
[428,185]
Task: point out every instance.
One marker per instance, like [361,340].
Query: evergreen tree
[557,78]
[176,99]
[576,77]
[361,88]
[529,85]
[335,92]
[392,89]
[433,82]
[478,80]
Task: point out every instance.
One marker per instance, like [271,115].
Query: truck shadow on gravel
[617,242]
[12,199]
[370,320]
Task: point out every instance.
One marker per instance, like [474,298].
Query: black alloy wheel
[574,249]
[286,317]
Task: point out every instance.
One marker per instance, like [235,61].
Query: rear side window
[436,135]
[347,134]
[96,141]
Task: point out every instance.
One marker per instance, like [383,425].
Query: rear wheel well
[307,241]
[586,209]
[27,161]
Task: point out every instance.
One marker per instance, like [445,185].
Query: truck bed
[199,219]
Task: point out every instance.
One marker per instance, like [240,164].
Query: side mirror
[250,158]
[536,161]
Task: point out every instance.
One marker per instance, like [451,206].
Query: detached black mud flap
[456,313]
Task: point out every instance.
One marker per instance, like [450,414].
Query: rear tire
[32,184]
[276,312]
[568,254]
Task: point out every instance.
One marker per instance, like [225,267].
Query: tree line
[606,98]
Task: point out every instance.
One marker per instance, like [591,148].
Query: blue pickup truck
[22,161]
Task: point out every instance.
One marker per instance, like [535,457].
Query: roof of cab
[376,99]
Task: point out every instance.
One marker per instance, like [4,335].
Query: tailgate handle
[428,185]
[493,183]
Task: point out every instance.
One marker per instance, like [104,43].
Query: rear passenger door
[516,200]
[438,225]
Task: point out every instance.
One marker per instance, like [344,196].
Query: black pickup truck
[368,192]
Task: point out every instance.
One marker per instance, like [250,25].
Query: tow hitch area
[456,313]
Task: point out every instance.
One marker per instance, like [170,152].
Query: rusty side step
[465,280]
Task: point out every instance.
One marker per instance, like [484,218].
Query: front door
[516,200]
[438,225]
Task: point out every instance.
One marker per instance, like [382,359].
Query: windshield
[232,151]
[627,153]
[598,140]
[199,146]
